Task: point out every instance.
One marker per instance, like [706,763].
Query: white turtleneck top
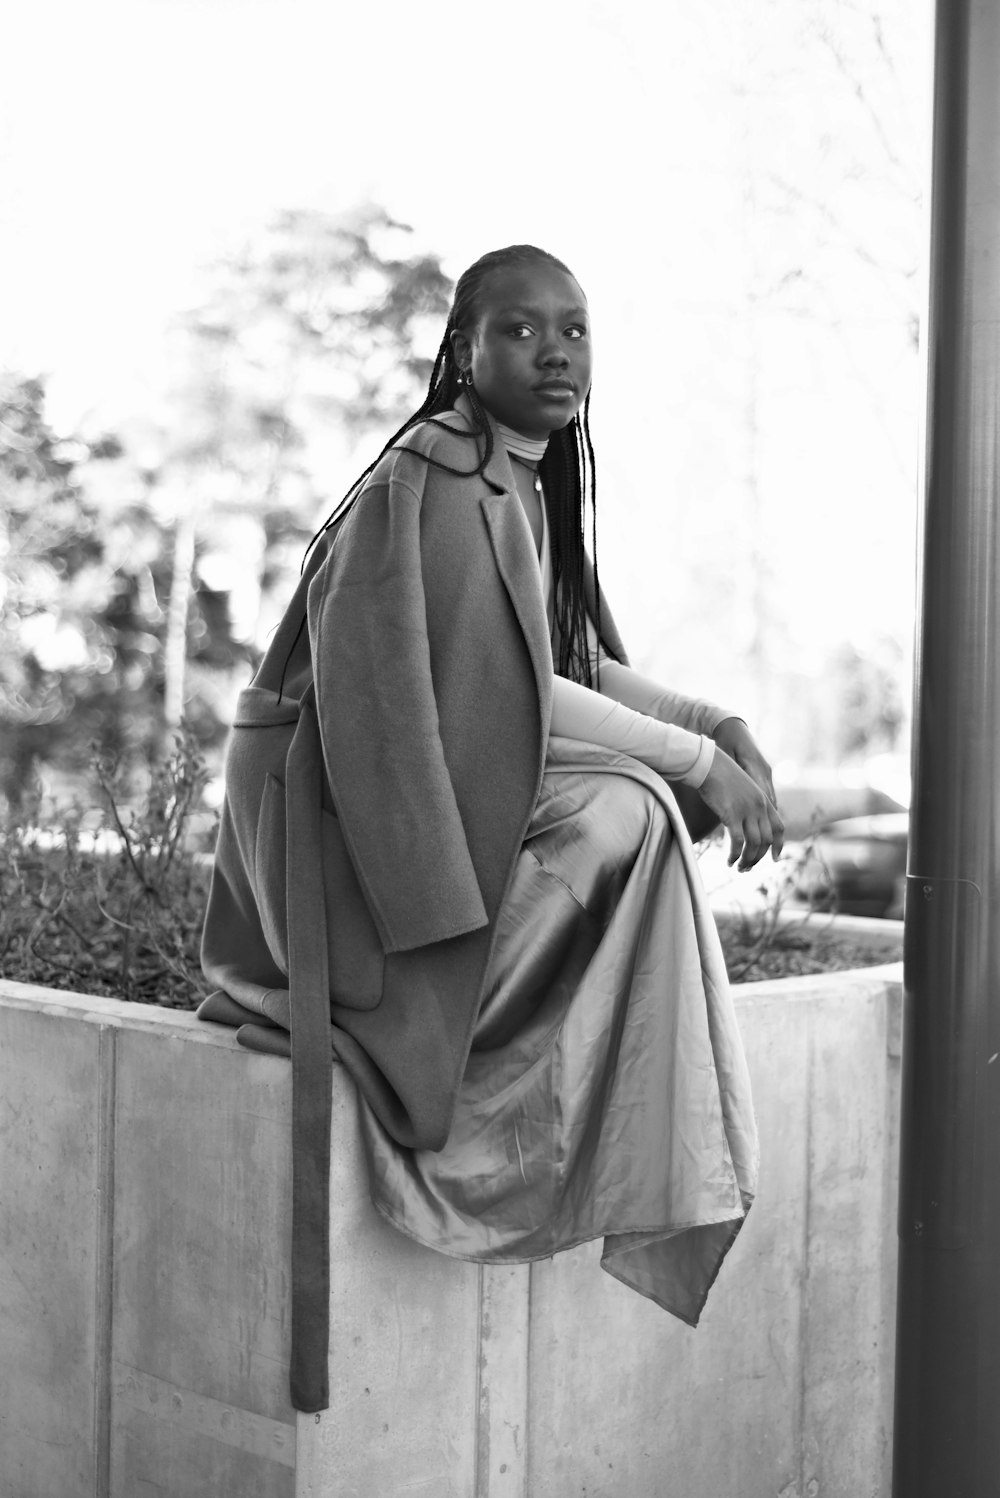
[663,729]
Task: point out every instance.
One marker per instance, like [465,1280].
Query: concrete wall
[143,1242]
[144,1191]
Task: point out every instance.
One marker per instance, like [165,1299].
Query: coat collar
[498,472]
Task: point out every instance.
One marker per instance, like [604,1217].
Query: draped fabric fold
[606,1094]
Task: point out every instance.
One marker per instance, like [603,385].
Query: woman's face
[529,350]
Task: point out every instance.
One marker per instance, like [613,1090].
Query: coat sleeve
[382,747]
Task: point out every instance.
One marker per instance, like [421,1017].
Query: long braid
[585,430]
[568,469]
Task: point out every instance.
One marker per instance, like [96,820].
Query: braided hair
[567,470]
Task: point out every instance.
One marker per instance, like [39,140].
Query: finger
[752,855]
[753,847]
[761,836]
[735,843]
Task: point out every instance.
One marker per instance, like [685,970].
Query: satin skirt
[606,1093]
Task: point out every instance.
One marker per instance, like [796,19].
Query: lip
[555,387]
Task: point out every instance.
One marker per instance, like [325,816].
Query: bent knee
[628,812]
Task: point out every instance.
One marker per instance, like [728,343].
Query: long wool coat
[380,779]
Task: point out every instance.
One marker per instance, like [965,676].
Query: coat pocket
[355,955]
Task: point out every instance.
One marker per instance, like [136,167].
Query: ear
[461,349]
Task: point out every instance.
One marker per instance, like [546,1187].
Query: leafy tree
[313,336]
[143,569]
[77,625]
[86,568]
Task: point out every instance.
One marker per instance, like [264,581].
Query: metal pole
[947,1420]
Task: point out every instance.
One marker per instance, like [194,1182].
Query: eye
[521,330]
[574,331]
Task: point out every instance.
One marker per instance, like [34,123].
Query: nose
[551,354]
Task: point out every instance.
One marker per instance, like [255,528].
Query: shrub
[776,936]
[112,906]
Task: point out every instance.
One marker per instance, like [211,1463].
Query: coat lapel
[514,552]
[517,561]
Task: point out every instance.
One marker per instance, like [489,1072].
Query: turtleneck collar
[523,447]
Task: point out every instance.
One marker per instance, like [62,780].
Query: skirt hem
[657,1234]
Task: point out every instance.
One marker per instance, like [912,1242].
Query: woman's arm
[644,695]
[697,714]
[674,752]
[744,807]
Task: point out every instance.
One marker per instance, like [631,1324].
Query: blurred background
[228,234]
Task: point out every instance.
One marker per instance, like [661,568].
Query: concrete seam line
[272,1440]
[107,1052]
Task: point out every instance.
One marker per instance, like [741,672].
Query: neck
[528,449]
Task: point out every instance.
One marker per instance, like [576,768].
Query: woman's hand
[735,738]
[748,815]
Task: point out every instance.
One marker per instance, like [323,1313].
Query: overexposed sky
[141,137]
[690,161]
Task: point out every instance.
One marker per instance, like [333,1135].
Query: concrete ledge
[144,1161]
[143,1242]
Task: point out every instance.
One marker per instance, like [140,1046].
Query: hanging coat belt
[312,1064]
[304,1011]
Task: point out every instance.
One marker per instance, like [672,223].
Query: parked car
[857,865]
[814,801]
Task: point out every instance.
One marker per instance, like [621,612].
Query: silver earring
[468,378]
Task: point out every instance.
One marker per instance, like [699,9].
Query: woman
[447,814]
